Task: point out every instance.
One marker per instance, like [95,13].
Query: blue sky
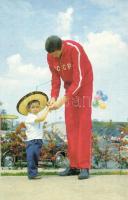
[99,25]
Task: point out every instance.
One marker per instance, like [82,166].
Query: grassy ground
[55,172]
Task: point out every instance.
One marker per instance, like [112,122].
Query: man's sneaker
[69,172]
[35,177]
[84,174]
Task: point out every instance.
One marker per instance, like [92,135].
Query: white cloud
[8,85]
[17,69]
[109,57]
[14,60]
[20,79]
[112,15]
[64,22]
[107,50]
[34,45]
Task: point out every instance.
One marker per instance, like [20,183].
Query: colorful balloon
[95,103]
[99,100]
[102,105]
[104,97]
[97,97]
[99,93]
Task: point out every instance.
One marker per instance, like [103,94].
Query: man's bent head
[53,45]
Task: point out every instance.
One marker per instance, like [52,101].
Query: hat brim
[36,95]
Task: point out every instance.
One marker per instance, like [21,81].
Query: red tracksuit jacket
[74,68]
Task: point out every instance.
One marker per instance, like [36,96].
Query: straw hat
[36,95]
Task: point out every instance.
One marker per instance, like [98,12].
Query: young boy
[30,105]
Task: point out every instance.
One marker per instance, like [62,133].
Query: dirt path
[112,187]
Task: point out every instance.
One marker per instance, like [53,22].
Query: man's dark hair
[53,43]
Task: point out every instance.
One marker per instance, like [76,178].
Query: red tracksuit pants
[79,131]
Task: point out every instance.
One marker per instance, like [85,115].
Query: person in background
[68,61]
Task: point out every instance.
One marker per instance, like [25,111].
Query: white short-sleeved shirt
[33,130]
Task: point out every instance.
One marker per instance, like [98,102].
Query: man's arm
[55,84]
[77,71]
[55,79]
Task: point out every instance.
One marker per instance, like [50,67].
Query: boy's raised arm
[43,116]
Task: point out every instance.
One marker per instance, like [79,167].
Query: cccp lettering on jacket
[63,67]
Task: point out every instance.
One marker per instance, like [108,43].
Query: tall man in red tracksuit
[68,61]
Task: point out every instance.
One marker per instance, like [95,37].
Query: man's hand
[51,102]
[57,104]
